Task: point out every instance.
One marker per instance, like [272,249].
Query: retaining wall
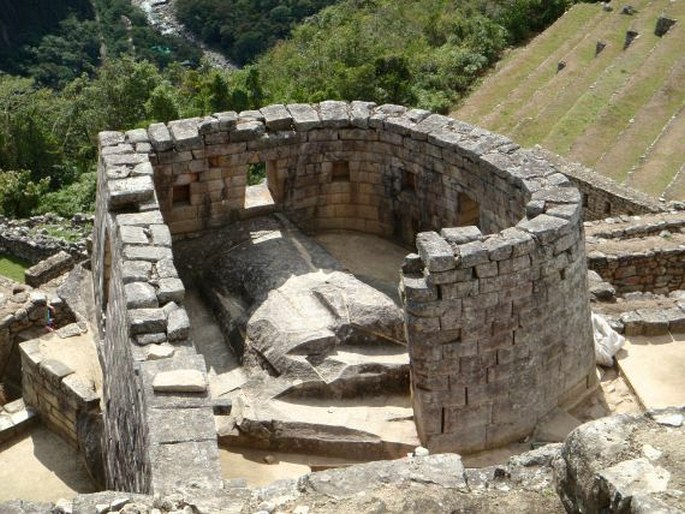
[601,196]
[16,239]
[658,269]
[24,309]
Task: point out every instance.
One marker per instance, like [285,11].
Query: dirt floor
[655,368]
[259,467]
[41,467]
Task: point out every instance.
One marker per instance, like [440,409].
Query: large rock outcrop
[625,464]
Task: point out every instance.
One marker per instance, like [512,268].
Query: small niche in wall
[340,171]
[468,211]
[180,195]
[408,181]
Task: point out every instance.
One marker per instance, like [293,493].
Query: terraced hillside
[620,111]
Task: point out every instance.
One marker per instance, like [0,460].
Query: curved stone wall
[497,311]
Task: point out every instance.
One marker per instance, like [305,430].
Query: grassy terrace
[620,112]
[13,267]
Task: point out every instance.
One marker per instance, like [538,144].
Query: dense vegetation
[60,40]
[88,74]
[243,29]
[49,136]
[425,53]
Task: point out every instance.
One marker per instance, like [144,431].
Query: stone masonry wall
[499,325]
[51,388]
[23,310]
[497,317]
[658,270]
[329,166]
[640,253]
[159,431]
[601,196]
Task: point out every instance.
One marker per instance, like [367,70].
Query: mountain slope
[619,111]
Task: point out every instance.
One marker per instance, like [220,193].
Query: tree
[19,195]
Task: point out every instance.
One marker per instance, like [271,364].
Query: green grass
[516,66]
[611,111]
[662,163]
[64,232]
[625,153]
[13,267]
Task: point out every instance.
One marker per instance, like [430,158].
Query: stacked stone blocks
[144,332]
[53,390]
[497,317]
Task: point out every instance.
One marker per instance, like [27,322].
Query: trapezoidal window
[180,195]
[408,181]
[468,211]
[258,190]
[340,171]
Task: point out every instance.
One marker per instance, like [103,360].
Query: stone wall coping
[554,204]
[15,419]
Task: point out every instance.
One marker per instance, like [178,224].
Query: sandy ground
[655,368]
[252,465]
[41,467]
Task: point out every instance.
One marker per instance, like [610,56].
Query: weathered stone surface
[179,381]
[288,310]
[160,137]
[144,321]
[334,114]
[134,271]
[304,116]
[601,467]
[140,295]
[461,235]
[435,253]
[170,290]
[277,117]
[185,134]
[160,351]
[48,269]
[110,138]
[178,325]
[247,131]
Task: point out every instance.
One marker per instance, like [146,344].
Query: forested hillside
[25,20]
[243,29]
[106,69]
[425,53]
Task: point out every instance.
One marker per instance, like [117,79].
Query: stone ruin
[494,301]
[488,330]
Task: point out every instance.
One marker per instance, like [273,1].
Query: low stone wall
[656,269]
[17,239]
[24,309]
[15,419]
[159,432]
[624,227]
[48,269]
[63,400]
[601,196]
